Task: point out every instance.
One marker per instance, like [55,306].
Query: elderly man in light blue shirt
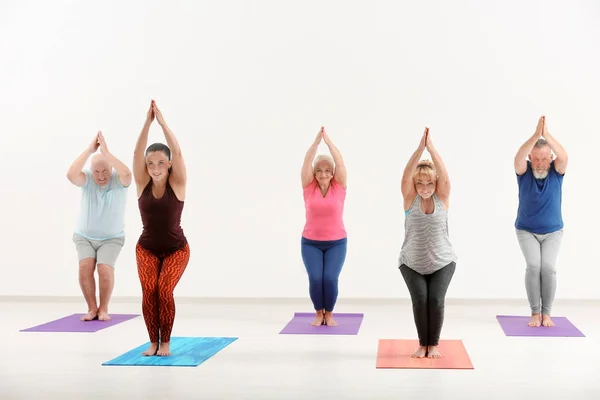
[99,235]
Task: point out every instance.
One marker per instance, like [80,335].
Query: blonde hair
[324,157]
[425,170]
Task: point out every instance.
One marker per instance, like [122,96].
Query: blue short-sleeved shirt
[540,201]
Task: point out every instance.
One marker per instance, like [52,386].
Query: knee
[548,269]
[315,280]
[149,289]
[436,302]
[315,277]
[533,269]
[87,265]
[419,300]
[165,296]
[105,271]
[330,280]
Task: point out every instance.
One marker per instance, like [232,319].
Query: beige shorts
[103,251]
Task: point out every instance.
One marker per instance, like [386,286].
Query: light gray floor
[262,364]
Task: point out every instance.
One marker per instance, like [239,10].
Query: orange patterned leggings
[159,278]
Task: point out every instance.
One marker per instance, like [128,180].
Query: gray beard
[538,175]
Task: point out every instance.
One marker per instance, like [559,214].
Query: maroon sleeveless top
[161,218]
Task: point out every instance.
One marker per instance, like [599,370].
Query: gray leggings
[428,295]
[541,253]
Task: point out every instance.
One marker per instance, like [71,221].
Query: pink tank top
[324,215]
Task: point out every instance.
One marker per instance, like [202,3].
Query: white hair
[541,143]
[324,157]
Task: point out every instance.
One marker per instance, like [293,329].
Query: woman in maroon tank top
[162,251]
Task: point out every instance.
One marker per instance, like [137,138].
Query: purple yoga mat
[73,324]
[348,324]
[517,326]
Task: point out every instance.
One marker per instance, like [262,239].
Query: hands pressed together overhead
[541,129]
[154,112]
[426,142]
[322,135]
[99,142]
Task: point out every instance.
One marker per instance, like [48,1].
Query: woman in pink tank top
[323,241]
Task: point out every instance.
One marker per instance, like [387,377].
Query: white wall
[245,85]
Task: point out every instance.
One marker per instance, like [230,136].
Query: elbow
[127,176]
[176,153]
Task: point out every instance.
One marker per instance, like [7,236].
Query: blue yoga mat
[185,352]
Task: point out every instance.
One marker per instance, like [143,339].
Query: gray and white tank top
[426,246]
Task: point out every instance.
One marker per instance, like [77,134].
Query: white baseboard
[258,301]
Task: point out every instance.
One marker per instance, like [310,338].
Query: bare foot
[546,321]
[318,319]
[433,352]
[534,321]
[329,321]
[420,353]
[165,349]
[90,316]
[151,350]
[103,316]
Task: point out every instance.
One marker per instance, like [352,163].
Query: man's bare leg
[106,278]
[88,287]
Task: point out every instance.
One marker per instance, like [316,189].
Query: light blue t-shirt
[102,213]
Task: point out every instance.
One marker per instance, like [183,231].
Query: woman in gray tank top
[427,260]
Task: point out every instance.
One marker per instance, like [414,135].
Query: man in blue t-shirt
[99,235]
[539,223]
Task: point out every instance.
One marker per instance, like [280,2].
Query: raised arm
[307,169]
[340,174]
[443,180]
[123,172]
[178,173]
[140,172]
[75,173]
[408,186]
[520,161]
[562,159]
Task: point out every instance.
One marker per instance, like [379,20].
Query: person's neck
[160,184]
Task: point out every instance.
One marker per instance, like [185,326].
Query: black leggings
[428,295]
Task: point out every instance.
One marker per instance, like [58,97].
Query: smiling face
[425,179]
[323,171]
[158,164]
[101,170]
[540,157]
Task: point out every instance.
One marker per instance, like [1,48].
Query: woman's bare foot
[318,319]
[151,350]
[103,315]
[329,321]
[547,321]
[534,321]
[165,349]
[420,353]
[433,352]
[90,316]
